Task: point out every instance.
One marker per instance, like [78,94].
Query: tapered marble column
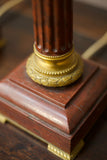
[53,29]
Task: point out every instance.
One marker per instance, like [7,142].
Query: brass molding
[3,119]
[54,71]
[63,155]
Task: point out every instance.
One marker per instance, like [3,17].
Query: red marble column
[53,29]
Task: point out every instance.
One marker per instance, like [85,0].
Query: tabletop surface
[17,28]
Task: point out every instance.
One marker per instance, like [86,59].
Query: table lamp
[54,95]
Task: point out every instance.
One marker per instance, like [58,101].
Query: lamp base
[59,116]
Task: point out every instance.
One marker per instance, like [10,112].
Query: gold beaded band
[54,71]
[59,57]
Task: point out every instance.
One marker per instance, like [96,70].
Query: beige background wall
[98,3]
